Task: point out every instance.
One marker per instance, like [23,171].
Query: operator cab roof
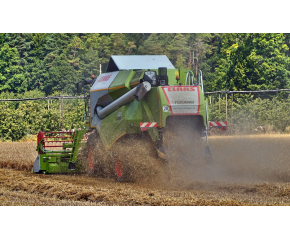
[129,62]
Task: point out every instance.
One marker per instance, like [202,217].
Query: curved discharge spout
[136,93]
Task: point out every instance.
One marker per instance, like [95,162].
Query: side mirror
[151,77]
[79,87]
[162,76]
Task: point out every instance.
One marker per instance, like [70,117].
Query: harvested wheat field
[246,171]
[17,155]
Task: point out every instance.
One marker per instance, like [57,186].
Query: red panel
[40,136]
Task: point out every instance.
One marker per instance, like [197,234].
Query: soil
[246,171]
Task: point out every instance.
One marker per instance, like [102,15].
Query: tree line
[54,62]
[44,64]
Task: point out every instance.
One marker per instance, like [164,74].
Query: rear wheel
[135,160]
[87,155]
[90,156]
[120,169]
[119,173]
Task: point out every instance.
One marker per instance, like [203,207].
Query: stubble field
[246,171]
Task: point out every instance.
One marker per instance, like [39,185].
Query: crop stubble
[246,170]
[17,155]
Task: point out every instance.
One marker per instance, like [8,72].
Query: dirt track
[252,170]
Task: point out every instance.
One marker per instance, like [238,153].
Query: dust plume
[252,158]
[137,153]
[140,159]
[236,159]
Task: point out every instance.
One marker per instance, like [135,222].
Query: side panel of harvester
[107,88]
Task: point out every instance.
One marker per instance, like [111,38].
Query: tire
[88,154]
[132,159]
[120,169]
[94,159]
[119,173]
[135,160]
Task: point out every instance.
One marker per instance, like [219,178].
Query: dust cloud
[236,159]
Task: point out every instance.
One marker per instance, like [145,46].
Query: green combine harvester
[139,97]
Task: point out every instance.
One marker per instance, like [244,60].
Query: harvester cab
[144,97]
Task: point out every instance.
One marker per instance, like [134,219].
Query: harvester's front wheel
[95,160]
[119,170]
[87,156]
[135,160]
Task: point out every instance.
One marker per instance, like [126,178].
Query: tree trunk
[192,58]
[196,66]
[189,60]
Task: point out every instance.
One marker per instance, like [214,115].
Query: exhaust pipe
[136,93]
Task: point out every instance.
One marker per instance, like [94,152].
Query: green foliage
[151,46]
[62,77]
[228,61]
[91,63]
[249,113]
[39,40]
[29,117]
[119,45]
[12,127]
[253,62]
[178,47]
[11,74]
[51,63]
[2,38]
[180,62]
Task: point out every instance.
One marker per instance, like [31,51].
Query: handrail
[190,78]
[40,149]
[43,139]
[200,81]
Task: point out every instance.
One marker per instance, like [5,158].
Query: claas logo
[104,78]
[174,89]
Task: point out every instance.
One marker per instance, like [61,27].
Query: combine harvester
[139,97]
